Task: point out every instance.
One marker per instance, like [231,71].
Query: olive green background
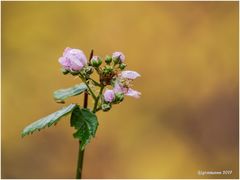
[186,119]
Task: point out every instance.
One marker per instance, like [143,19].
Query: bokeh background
[186,119]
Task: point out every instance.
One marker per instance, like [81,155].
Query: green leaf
[48,120]
[61,94]
[86,124]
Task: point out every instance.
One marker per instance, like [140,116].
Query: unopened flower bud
[106,107]
[116,60]
[109,96]
[96,61]
[119,96]
[118,57]
[107,70]
[73,59]
[108,59]
[122,66]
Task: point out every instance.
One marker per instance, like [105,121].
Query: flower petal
[130,74]
[66,51]
[73,59]
[119,88]
[133,93]
[79,55]
[65,62]
[76,65]
[109,95]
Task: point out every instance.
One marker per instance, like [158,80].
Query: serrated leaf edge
[25,131]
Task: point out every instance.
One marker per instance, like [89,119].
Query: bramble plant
[112,85]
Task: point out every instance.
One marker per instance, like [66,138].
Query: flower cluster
[114,82]
[112,85]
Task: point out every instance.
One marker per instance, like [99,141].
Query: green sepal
[122,66]
[64,71]
[108,59]
[106,106]
[118,98]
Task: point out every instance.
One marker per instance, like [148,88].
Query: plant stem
[96,102]
[81,152]
[90,90]
[80,163]
[95,82]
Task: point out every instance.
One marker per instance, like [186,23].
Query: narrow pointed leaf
[62,94]
[48,120]
[86,124]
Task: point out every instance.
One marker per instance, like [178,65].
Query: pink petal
[76,65]
[109,95]
[66,51]
[65,62]
[119,55]
[119,88]
[129,74]
[79,55]
[133,93]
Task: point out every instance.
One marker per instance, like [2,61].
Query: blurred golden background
[186,119]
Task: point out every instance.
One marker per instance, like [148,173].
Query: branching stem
[96,101]
[90,90]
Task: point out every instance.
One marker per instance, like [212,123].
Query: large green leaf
[86,124]
[48,120]
[61,94]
